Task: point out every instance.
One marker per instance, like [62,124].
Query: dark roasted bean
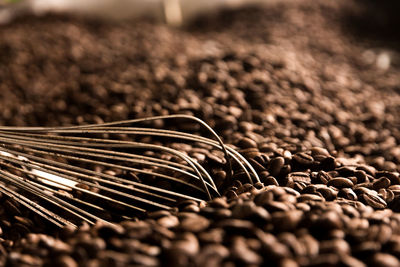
[194,223]
[276,165]
[383,259]
[300,177]
[382,182]
[323,177]
[347,193]
[303,158]
[246,142]
[340,182]
[374,201]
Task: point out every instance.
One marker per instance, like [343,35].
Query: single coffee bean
[323,177]
[382,182]
[246,142]
[383,259]
[346,171]
[214,235]
[303,158]
[168,221]
[328,164]
[243,254]
[394,177]
[293,243]
[340,182]
[300,177]
[361,176]
[319,151]
[337,246]
[347,193]
[386,194]
[349,261]
[276,165]
[284,221]
[309,197]
[264,198]
[374,201]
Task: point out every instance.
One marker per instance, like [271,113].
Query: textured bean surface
[307,91]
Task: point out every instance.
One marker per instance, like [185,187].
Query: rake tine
[193,164]
[50,162]
[83,182]
[38,209]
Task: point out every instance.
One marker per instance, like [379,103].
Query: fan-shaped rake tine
[127,157]
[38,166]
[34,187]
[85,190]
[88,126]
[102,164]
[77,171]
[115,144]
[175,134]
[38,209]
[193,164]
[172,134]
[27,186]
[69,140]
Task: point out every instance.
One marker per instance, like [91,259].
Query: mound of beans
[308,96]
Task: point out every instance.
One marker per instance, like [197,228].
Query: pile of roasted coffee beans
[311,101]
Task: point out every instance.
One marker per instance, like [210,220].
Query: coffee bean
[374,201]
[383,259]
[243,254]
[194,223]
[340,182]
[394,177]
[250,153]
[300,177]
[273,206]
[303,159]
[246,142]
[319,151]
[291,241]
[347,193]
[323,177]
[276,165]
[168,221]
[215,235]
[310,244]
[66,261]
[212,255]
[218,203]
[235,225]
[361,176]
[271,247]
[286,220]
[387,195]
[349,261]
[382,182]
[288,262]
[327,259]
[158,214]
[328,164]
[264,198]
[187,243]
[309,197]
[336,246]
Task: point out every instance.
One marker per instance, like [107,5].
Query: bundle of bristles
[110,171]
